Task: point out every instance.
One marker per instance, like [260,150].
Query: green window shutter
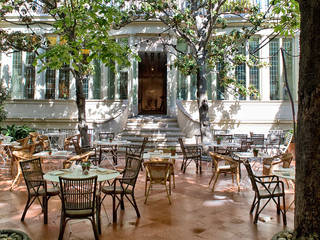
[97,80]
[274,69]
[254,75]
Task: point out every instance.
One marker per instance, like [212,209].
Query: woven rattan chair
[68,143]
[158,172]
[84,157]
[36,186]
[190,154]
[78,197]
[230,167]
[123,186]
[137,150]
[272,189]
[113,150]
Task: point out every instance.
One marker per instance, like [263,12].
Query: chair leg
[238,181]
[257,212]
[45,209]
[114,211]
[94,226]
[135,205]
[215,181]
[253,204]
[278,206]
[25,209]
[168,195]
[121,202]
[62,226]
[211,178]
[174,181]
[98,214]
[284,212]
[145,186]
[147,193]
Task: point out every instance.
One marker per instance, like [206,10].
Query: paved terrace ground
[195,213]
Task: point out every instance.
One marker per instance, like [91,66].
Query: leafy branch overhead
[204,28]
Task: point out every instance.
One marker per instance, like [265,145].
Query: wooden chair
[78,197]
[272,189]
[16,171]
[68,143]
[84,157]
[190,154]
[231,167]
[23,141]
[36,186]
[158,172]
[173,161]
[113,150]
[123,186]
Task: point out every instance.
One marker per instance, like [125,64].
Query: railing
[187,124]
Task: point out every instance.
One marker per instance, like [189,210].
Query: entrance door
[152,83]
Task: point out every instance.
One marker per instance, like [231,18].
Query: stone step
[135,128]
[151,120]
[143,133]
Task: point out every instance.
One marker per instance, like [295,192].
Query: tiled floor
[195,213]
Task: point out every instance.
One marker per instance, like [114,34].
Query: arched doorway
[152,93]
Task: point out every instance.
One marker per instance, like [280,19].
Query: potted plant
[219,140]
[85,167]
[173,150]
[255,152]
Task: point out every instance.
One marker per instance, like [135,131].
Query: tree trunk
[307,211]
[203,101]
[81,105]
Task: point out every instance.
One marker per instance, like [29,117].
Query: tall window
[85,84]
[97,80]
[123,88]
[110,83]
[274,69]
[193,87]
[254,74]
[287,46]
[50,83]
[182,90]
[30,75]
[64,82]
[17,74]
[240,72]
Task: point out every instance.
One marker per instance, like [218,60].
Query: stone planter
[13,234]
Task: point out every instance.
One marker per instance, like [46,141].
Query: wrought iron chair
[123,186]
[231,167]
[190,153]
[272,189]
[113,150]
[158,172]
[36,186]
[78,197]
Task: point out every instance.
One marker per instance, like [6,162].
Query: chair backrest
[158,171]
[34,136]
[224,137]
[32,174]
[267,166]
[136,150]
[192,151]
[24,141]
[182,147]
[106,135]
[286,159]
[215,159]
[68,141]
[251,176]
[84,157]
[78,194]
[76,144]
[240,136]
[131,171]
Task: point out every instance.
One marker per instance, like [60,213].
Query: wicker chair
[69,143]
[123,186]
[36,186]
[84,157]
[78,197]
[158,172]
[231,167]
[136,150]
[272,189]
[113,150]
[190,153]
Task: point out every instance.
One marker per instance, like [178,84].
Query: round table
[102,173]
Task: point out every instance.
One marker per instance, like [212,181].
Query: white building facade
[152,86]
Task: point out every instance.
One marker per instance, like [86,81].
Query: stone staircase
[161,131]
